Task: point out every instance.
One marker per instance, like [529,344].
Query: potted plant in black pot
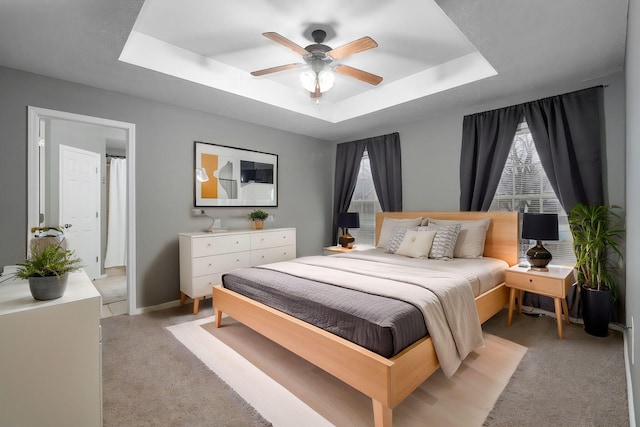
[597,235]
[47,270]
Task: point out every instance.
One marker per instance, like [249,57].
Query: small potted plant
[47,270]
[597,235]
[257,218]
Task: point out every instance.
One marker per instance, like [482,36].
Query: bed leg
[218,314]
[381,414]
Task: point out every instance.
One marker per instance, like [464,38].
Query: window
[365,202]
[524,187]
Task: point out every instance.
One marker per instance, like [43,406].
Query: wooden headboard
[503,236]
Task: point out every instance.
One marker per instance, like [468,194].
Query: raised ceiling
[217,44]
[198,53]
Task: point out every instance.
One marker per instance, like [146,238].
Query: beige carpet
[288,391]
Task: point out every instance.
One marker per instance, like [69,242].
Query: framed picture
[227,176]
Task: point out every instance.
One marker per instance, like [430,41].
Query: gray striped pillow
[396,239]
[445,240]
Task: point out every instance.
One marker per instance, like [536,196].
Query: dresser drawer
[220,263]
[202,285]
[550,286]
[266,256]
[271,239]
[215,245]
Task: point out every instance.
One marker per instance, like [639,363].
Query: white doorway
[37,176]
[80,175]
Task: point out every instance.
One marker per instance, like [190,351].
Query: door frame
[35,114]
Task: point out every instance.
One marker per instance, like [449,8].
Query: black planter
[596,306]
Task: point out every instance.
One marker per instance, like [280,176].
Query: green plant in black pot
[597,232]
[47,270]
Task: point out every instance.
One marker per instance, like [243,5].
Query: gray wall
[633,195]
[164,173]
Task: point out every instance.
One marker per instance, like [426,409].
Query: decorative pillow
[416,244]
[396,239]
[444,241]
[389,225]
[471,239]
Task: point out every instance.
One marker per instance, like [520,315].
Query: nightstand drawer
[553,284]
[535,284]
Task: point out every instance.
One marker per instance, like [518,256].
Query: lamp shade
[349,220]
[537,226]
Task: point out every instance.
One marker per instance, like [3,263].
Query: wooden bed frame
[386,381]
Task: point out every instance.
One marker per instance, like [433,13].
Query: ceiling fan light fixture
[325,78]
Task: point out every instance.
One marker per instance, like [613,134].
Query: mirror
[71,155]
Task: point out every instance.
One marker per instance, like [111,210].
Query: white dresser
[205,257]
[50,356]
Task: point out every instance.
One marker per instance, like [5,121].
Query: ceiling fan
[320,57]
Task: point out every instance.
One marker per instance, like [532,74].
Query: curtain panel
[569,138]
[386,170]
[486,141]
[348,157]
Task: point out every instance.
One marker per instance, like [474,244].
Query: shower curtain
[117,223]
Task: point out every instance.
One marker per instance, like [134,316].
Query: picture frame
[233,177]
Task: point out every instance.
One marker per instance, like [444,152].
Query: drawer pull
[208,244]
[530,280]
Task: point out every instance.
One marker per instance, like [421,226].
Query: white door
[80,205]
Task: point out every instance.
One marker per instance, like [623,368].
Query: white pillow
[416,244]
[389,226]
[470,243]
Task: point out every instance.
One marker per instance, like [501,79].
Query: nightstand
[554,283]
[329,250]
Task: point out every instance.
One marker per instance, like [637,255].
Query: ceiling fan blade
[285,42]
[274,69]
[358,74]
[365,43]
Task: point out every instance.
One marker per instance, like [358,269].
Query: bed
[386,380]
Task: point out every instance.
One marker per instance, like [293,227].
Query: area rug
[288,391]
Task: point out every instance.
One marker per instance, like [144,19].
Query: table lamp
[539,227]
[348,220]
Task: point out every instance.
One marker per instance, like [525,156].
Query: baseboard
[148,309]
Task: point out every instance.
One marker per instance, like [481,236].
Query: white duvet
[446,299]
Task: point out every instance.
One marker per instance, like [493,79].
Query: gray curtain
[348,157]
[568,137]
[386,170]
[486,141]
